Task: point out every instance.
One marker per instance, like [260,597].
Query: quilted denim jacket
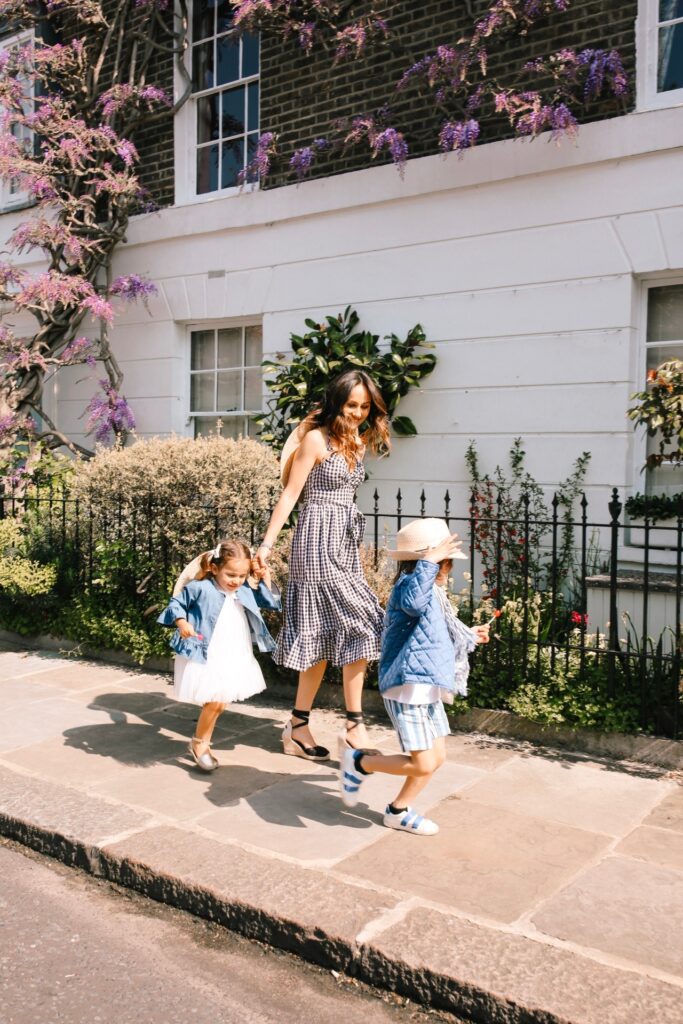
[416,644]
[201,601]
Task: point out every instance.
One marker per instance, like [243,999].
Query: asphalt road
[74,950]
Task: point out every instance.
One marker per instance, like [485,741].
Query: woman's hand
[185,629]
[261,558]
[482,633]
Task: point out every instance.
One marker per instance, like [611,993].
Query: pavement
[552,895]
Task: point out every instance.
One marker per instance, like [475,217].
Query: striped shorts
[417,725]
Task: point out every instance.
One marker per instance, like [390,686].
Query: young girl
[217,620]
[423,662]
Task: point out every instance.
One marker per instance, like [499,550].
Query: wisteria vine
[69,115]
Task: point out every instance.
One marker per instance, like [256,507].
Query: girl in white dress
[217,620]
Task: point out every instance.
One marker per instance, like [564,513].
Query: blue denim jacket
[201,601]
[416,643]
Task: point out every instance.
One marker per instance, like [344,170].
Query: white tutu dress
[231,672]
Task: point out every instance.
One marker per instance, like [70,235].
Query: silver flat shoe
[206,761]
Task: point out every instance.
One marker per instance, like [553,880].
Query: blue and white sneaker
[350,779]
[410,821]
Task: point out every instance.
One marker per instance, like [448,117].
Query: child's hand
[448,548]
[482,633]
[185,629]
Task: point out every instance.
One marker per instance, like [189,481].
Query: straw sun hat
[415,539]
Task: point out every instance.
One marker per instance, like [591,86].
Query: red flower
[578,619]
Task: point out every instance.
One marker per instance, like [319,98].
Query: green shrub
[21,576]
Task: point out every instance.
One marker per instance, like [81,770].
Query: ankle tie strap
[303,715]
[354,716]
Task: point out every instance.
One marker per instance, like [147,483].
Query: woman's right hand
[185,629]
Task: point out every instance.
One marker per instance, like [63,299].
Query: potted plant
[660,410]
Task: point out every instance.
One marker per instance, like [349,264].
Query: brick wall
[301,96]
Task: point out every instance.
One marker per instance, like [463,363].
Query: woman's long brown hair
[330,417]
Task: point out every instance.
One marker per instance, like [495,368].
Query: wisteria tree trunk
[73,98]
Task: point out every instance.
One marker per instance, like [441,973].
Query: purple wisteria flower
[395,142]
[127,152]
[602,66]
[108,413]
[303,158]
[457,136]
[258,167]
[79,349]
[306,33]
[99,308]
[133,287]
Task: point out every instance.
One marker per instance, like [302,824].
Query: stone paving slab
[311,902]
[488,861]
[546,863]
[656,845]
[585,794]
[61,821]
[486,975]
[623,907]
[669,812]
[297,816]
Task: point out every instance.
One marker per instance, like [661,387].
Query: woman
[331,615]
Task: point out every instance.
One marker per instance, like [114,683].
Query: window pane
[233,112]
[670,64]
[202,392]
[250,55]
[228,60]
[230,347]
[670,9]
[665,313]
[253,429]
[203,350]
[207,118]
[658,354]
[252,389]
[254,345]
[252,116]
[207,169]
[233,162]
[204,426]
[202,20]
[202,67]
[252,143]
[229,390]
[224,20]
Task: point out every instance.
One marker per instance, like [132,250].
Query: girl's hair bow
[216,553]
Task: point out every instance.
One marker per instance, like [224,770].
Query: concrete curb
[364,962]
[411,976]
[649,750]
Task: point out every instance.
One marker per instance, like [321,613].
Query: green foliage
[329,349]
[660,410]
[19,575]
[513,518]
[654,506]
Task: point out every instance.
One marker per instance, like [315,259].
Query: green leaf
[404,426]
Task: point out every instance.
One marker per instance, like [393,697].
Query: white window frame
[647,42]
[630,547]
[216,325]
[185,134]
[15,200]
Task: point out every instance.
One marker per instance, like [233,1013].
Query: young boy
[423,662]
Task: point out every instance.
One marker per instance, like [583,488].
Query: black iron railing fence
[588,602]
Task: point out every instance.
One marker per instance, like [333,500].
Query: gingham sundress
[330,613]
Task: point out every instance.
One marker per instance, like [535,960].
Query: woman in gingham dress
[331,615]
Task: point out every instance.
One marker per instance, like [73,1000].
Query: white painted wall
[523,262]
